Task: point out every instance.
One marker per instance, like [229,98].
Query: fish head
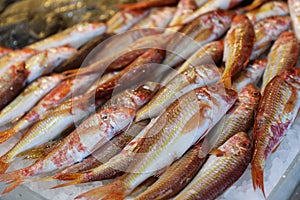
[250,93]
[118,116]
[226,16]
[218,90]
[238,144]
[292,76]
[240,19]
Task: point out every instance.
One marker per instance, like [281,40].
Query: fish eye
[104,116]
[244,144]
[255,94]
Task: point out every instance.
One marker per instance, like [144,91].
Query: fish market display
[149,99]
[276,113]
[283,55]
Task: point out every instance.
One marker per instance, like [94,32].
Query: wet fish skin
[239,118]
[74,36]
[124,20]
[269,9]
[178,175]
[250,75]
[44,62]
[221,170]
[294,7]
[206,28]
[105,153]
[192,78]
[13,58]
[283,55]
[77,59]
[28,98]
[158,18]
[12,82]
[238,46]
[266,31]
[76,146]
[210,6]
[276,113]
[151,156]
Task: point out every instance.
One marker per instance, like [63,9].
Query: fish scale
[220,171]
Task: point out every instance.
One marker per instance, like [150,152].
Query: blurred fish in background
[26,21]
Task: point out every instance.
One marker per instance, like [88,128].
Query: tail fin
[4,166]
[14,178]
[112,191]
[76,179]
[227,81]
[132,6]
[5,135]
[258,179]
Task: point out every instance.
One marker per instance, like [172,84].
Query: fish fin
[5,135]
[258,179]
[276,147]
[67,177]
[4,166]
[131,6]
[66,184]
[227,81]
[14,178]
[112,191]
[217,152]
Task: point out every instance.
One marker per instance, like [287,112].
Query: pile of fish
[163,105]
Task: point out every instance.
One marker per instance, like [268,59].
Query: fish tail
[112,191]
[227,81]
[5,135]
[36,153]
[131,6]
[14,178]
[3,165]
[258,178]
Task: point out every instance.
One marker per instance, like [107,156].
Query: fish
[240,118]
[78,58]
[238,46]
[210,6]
[105,153]
[4,51]
[62,92]
[76,146]
[266,31]
[74,36]
[12,82]
[114,167]
[145,4]
[14,57]
[190,79]
[178,175]
[158,18]
[276,113]
[225,165]
[211,53]
[124,20]
[44,62]
[125,56]
[255,4]
[251,74]
[135,73]
[28,98]
[269,9]
[183,123]
[283,54]
[184,9]
[294,7]
[205,29]
[51,126]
